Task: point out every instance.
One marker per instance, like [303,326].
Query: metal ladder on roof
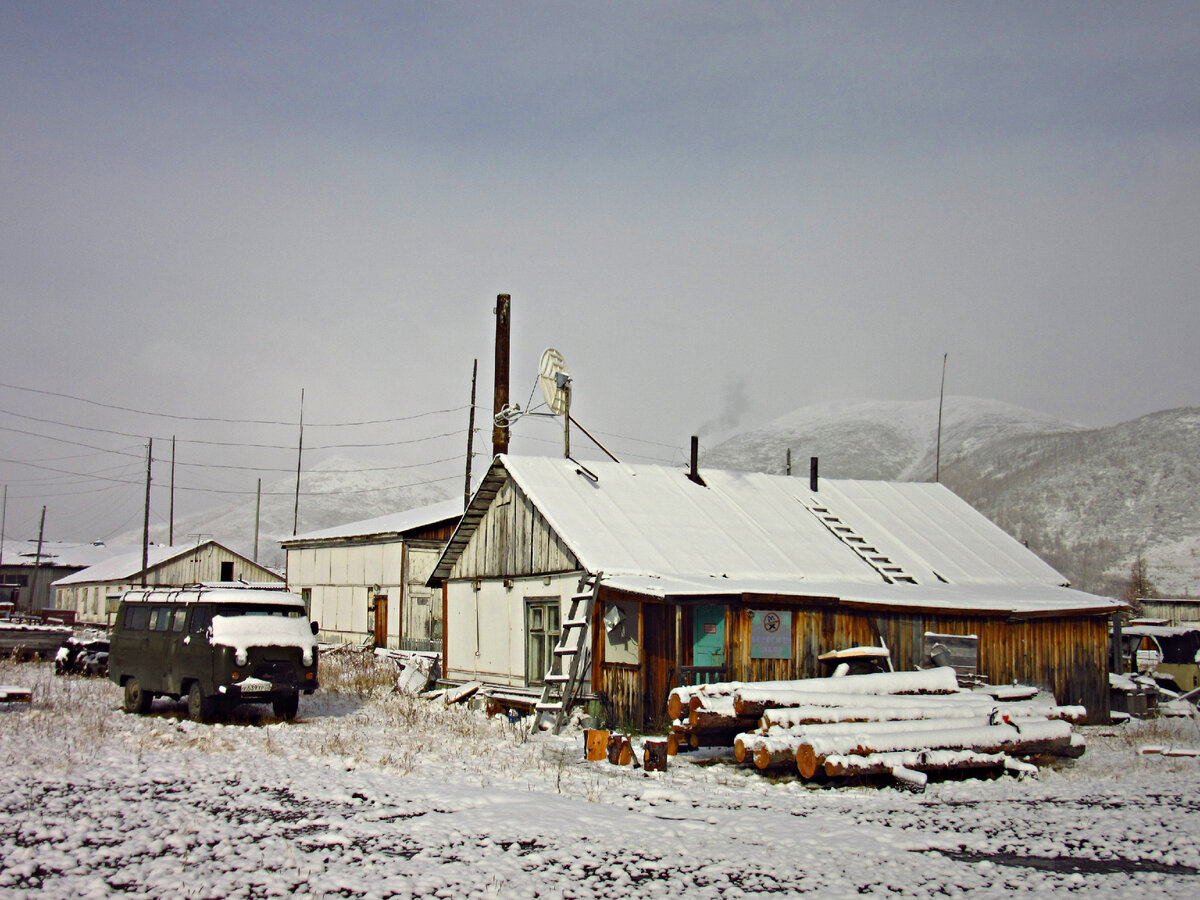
[569,659]
[892,572]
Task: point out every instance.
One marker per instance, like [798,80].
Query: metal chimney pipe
[500,398]
[694,474]
[812,474]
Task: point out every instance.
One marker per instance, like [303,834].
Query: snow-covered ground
[373,794]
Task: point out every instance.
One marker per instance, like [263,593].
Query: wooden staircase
[569,660]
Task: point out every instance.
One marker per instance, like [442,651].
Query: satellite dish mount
[555,380]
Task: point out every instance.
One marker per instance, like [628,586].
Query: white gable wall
[485,628]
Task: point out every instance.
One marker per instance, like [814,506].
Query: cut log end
[807,761]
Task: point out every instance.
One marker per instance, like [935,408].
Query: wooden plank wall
[512,539]
[1068,655]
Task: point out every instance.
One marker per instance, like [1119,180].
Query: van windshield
[250,609]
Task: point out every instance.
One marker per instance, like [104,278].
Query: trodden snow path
[383,796]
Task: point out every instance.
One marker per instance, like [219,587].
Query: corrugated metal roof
[391,524]
[651,529]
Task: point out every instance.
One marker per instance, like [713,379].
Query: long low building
[94,593]
[740,576]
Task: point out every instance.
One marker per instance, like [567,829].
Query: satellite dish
[555,381]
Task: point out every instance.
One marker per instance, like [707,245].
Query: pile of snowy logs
[900,723]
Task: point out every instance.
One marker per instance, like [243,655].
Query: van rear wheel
[136,700]
[286,706]
[200,708]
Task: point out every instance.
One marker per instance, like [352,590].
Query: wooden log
[752,700]
[595,742]
[710,719]
[654,756]
[771,756]
[620,750]
[917,760]
[1031,738]
[672,743]
[461,693]
[892,709]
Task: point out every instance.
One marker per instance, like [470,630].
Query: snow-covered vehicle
[217,647]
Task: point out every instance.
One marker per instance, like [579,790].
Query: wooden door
[380,628]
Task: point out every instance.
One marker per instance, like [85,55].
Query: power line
[226,421]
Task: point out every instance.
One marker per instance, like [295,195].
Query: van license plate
[254,686]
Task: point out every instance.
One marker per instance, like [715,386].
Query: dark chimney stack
[500,395]
[694,474]
[812,474]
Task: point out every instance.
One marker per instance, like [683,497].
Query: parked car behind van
[217,647]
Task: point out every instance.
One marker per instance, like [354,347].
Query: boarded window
[621,633]
[227,570]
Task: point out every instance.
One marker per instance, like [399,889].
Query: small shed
[366,581]
[93,593]
[740,576]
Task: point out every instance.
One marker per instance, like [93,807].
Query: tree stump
[654,756]
[620,750]
[595,743]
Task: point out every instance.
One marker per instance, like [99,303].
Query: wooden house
[740,576]
[93,593]
[365,582]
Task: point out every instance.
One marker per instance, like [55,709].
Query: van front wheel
[136,700]
[286,706]
[200,708]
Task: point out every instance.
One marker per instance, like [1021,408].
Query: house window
[621,633]
[227,570]
[541,637]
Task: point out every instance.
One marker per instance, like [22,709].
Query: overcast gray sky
[718,212]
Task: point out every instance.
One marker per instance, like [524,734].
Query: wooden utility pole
[3,521]
[470,436]
[171,527]
[788,468]
[146,513]
[257,516]
[37,560]
[500,398]
[299,457]
[937,466]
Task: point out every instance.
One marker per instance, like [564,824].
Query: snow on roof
[128,565]
[653,531]
[652,520]
[61,553]
[391,524]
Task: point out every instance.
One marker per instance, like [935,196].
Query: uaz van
[216,646]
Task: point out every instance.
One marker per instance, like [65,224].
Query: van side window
[177,621]
[160,618]
[135,618]
[201,619]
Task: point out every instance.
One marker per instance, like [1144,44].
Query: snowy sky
[717,212]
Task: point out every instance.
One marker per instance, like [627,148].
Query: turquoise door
[708,636]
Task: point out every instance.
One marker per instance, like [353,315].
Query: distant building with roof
[365,582]
[741,576]
[93,593]
[26,577]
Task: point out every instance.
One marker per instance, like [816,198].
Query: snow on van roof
[265,596]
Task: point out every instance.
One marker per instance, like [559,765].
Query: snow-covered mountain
[1089,501]
[333,492]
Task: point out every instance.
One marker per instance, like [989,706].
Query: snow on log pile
[900,723]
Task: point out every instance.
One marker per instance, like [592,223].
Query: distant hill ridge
[1089,501]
